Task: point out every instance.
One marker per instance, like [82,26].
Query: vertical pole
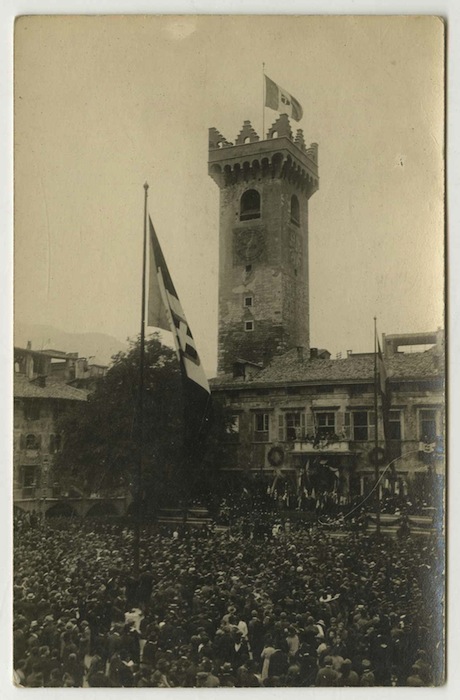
[138,484]
[377,470]
[263,101]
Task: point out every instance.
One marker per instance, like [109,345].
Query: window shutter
[281,427]
[371,424]
[302,424]
[347,424]
[339,422]
[310,429]
[39,442]
[22,442]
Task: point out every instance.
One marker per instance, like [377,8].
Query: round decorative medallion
[276,456]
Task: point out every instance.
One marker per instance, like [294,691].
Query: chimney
[313,353]
[29,345]
[300,353]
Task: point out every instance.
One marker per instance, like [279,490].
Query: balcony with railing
[321,443]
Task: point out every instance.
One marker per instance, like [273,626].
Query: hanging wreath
[276,456]
[377,456]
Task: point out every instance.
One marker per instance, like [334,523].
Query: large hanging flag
[382,372]
[165,311]
[384,392]
[281,100]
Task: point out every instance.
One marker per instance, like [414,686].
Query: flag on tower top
[281,100]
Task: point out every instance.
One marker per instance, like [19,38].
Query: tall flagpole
[138,484]
[376,429]
[263,101]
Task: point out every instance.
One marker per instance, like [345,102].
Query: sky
[103,104]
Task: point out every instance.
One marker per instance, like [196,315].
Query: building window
[261,427]
[32,442]
[427,425]
[247,301]
[232,428]
[29,475]
[250,205]
[249,325]
[31,409]
[325,423]
[295,210]
[55,444]
[292,426]
[361,425]
[395,424]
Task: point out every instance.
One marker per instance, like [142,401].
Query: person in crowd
[229,609]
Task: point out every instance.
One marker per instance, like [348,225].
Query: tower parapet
[264,187]
[279,155]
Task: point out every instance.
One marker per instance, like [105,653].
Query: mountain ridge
[97,347]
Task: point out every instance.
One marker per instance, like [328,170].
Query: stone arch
[250,205]
[277,164]
[61,509]
[102,509]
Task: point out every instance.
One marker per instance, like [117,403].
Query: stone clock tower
[263,241]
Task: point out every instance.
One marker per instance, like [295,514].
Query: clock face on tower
[249,244]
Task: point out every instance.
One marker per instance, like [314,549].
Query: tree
[100,452]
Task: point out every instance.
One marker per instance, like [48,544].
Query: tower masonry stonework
[263,241]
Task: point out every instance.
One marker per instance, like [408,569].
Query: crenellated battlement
[279,155]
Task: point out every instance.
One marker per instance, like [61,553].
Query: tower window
[249,325]
[250,205]
[295,210]
[248,268]
[248,301]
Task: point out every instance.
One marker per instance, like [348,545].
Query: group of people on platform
[225,610]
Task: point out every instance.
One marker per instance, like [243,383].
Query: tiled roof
[288,368]
[54,389]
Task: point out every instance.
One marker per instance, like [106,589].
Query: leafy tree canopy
[100,452]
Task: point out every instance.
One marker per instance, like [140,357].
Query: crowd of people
[224,608]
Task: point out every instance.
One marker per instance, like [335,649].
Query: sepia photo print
[229,463]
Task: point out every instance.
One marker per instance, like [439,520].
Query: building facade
[310,419]
[46,383]
[300,417]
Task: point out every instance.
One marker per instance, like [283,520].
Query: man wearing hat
[367,679]
[226,677]
[327,677]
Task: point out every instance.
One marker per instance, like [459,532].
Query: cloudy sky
[103,104]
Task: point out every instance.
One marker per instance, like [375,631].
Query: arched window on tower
[250,205]
[295,210]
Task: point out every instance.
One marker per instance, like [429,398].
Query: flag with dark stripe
[165,311]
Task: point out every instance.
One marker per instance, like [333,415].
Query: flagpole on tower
[140,425]
[263,101]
